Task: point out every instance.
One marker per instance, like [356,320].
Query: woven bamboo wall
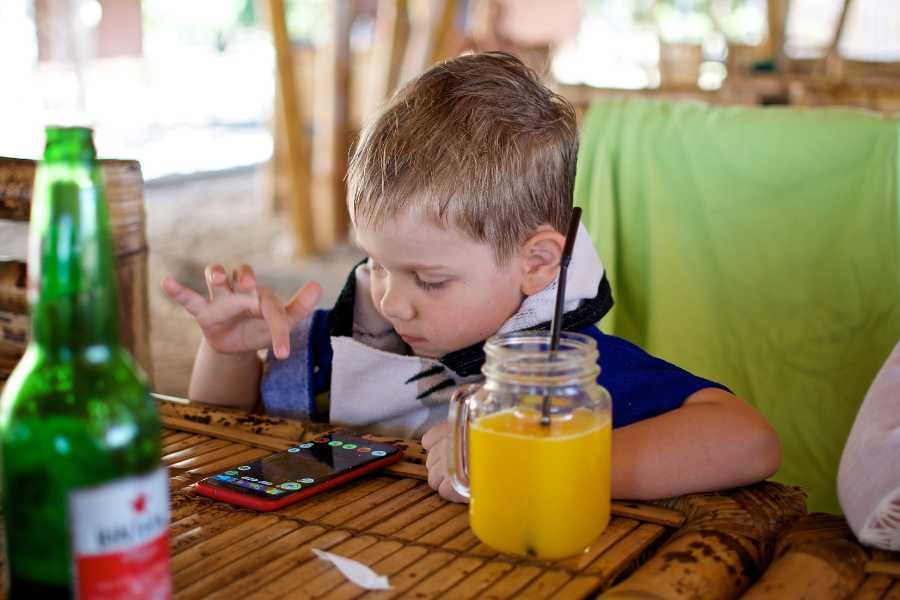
[125,195]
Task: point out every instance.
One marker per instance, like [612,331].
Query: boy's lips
[410,339]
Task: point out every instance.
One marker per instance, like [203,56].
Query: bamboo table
[754,542]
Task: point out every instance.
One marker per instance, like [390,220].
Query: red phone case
[247,501]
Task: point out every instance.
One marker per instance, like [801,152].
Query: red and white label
[120,539]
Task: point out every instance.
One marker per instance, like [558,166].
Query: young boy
[459,193]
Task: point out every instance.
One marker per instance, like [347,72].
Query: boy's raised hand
[240,315]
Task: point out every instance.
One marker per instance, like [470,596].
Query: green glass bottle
[83,491]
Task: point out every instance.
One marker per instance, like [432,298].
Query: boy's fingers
[448,492]
[186,297]
[277,320]
[216,280]
[436,453]
[244,279]
[435,435]
[436,474]
[303,302]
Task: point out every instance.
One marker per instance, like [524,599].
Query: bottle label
[120,539]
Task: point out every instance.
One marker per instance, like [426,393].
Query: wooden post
[391,36]
[298,145]
[833,64]
[331,140]
[432,23]
[440,32]
[777,13]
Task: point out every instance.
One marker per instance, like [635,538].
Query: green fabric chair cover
[759,247]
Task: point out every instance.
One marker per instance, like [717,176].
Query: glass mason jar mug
[535,489]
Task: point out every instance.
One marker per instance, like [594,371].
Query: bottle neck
[71,276]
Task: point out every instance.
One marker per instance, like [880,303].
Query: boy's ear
[540,259]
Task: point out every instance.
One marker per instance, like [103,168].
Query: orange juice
[539,490]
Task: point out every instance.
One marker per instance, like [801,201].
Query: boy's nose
[395,305]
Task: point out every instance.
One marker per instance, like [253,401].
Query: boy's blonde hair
[476,142]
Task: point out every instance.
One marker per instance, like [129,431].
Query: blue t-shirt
[642,386]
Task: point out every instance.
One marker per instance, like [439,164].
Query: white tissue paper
[356,572]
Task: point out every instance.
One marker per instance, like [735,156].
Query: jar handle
[458,444]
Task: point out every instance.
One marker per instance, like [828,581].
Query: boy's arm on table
[713,441]
[225,379]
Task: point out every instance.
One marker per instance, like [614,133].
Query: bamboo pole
[298,145]
[818,558]
[391,36]
[777,15]
[833,64]
[331,142]
[725,543]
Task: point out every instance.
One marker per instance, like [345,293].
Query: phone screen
[303,466]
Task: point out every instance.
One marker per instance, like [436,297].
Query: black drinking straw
[556,323]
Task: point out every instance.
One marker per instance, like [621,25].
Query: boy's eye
[429,286]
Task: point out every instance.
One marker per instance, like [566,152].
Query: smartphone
[299,472]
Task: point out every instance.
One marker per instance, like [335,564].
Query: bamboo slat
[447,577]
[618,528]
[386,558]
[291,562]
[247,544]
[884,567]
[317,576]
[621,555]
[425,525]
[893,592]
[412,575]
[446,531]
[247,563]
[225,454]
[415,512]
[200,447]
[227,537]
[545,586]
[873,588]
[397,504]
[211,525]
[510,584]
[473,585]
[363,505]
[648,513]
[222,464]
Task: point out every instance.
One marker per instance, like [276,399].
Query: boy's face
[440,290]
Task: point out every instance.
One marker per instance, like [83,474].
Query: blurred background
[242,112]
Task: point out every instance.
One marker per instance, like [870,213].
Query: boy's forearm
[225,379]
[713,442]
